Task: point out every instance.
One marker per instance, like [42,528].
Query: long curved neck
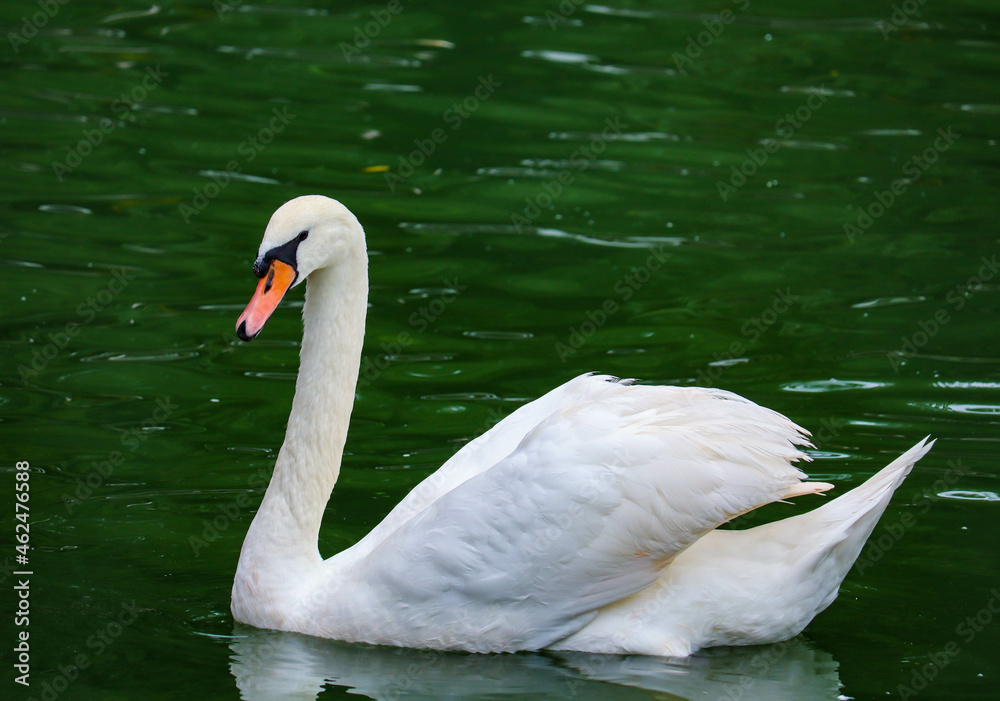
[283,536]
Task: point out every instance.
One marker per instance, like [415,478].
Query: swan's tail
[845,523]
[798,563]
[749,587]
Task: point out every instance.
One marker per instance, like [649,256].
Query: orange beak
[271,288]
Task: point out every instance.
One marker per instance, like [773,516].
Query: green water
[547,189]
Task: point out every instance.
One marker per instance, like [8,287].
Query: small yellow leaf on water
[375,169]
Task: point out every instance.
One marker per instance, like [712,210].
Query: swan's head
[304,235]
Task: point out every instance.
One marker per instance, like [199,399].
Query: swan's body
[583,521]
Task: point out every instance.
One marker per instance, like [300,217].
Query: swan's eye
[302,235]
[270,280]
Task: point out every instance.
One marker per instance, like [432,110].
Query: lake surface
[796,203]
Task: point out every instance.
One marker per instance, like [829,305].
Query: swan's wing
[479,455]
[591,505]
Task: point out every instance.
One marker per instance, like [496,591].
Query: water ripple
[64,209]
[564,163]
[890,132]
[620,69]
[831,385]
[391,87]
[632,136]
[499,335]
[806,145]
[509,229]
[461,396]
[420,358]
[973,408]
[813,90]
[123,357]
[967,385]
[322,56]
[271,375]
[277,10]
[969,495]
[560,56]
[978,109]
[133,14]
[888,301]
[239,176]
[46,116]
[553,21]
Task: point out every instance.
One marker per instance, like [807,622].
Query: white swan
[584,521]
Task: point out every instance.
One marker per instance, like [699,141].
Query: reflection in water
[270,666]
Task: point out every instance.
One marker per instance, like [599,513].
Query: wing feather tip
[804,488]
